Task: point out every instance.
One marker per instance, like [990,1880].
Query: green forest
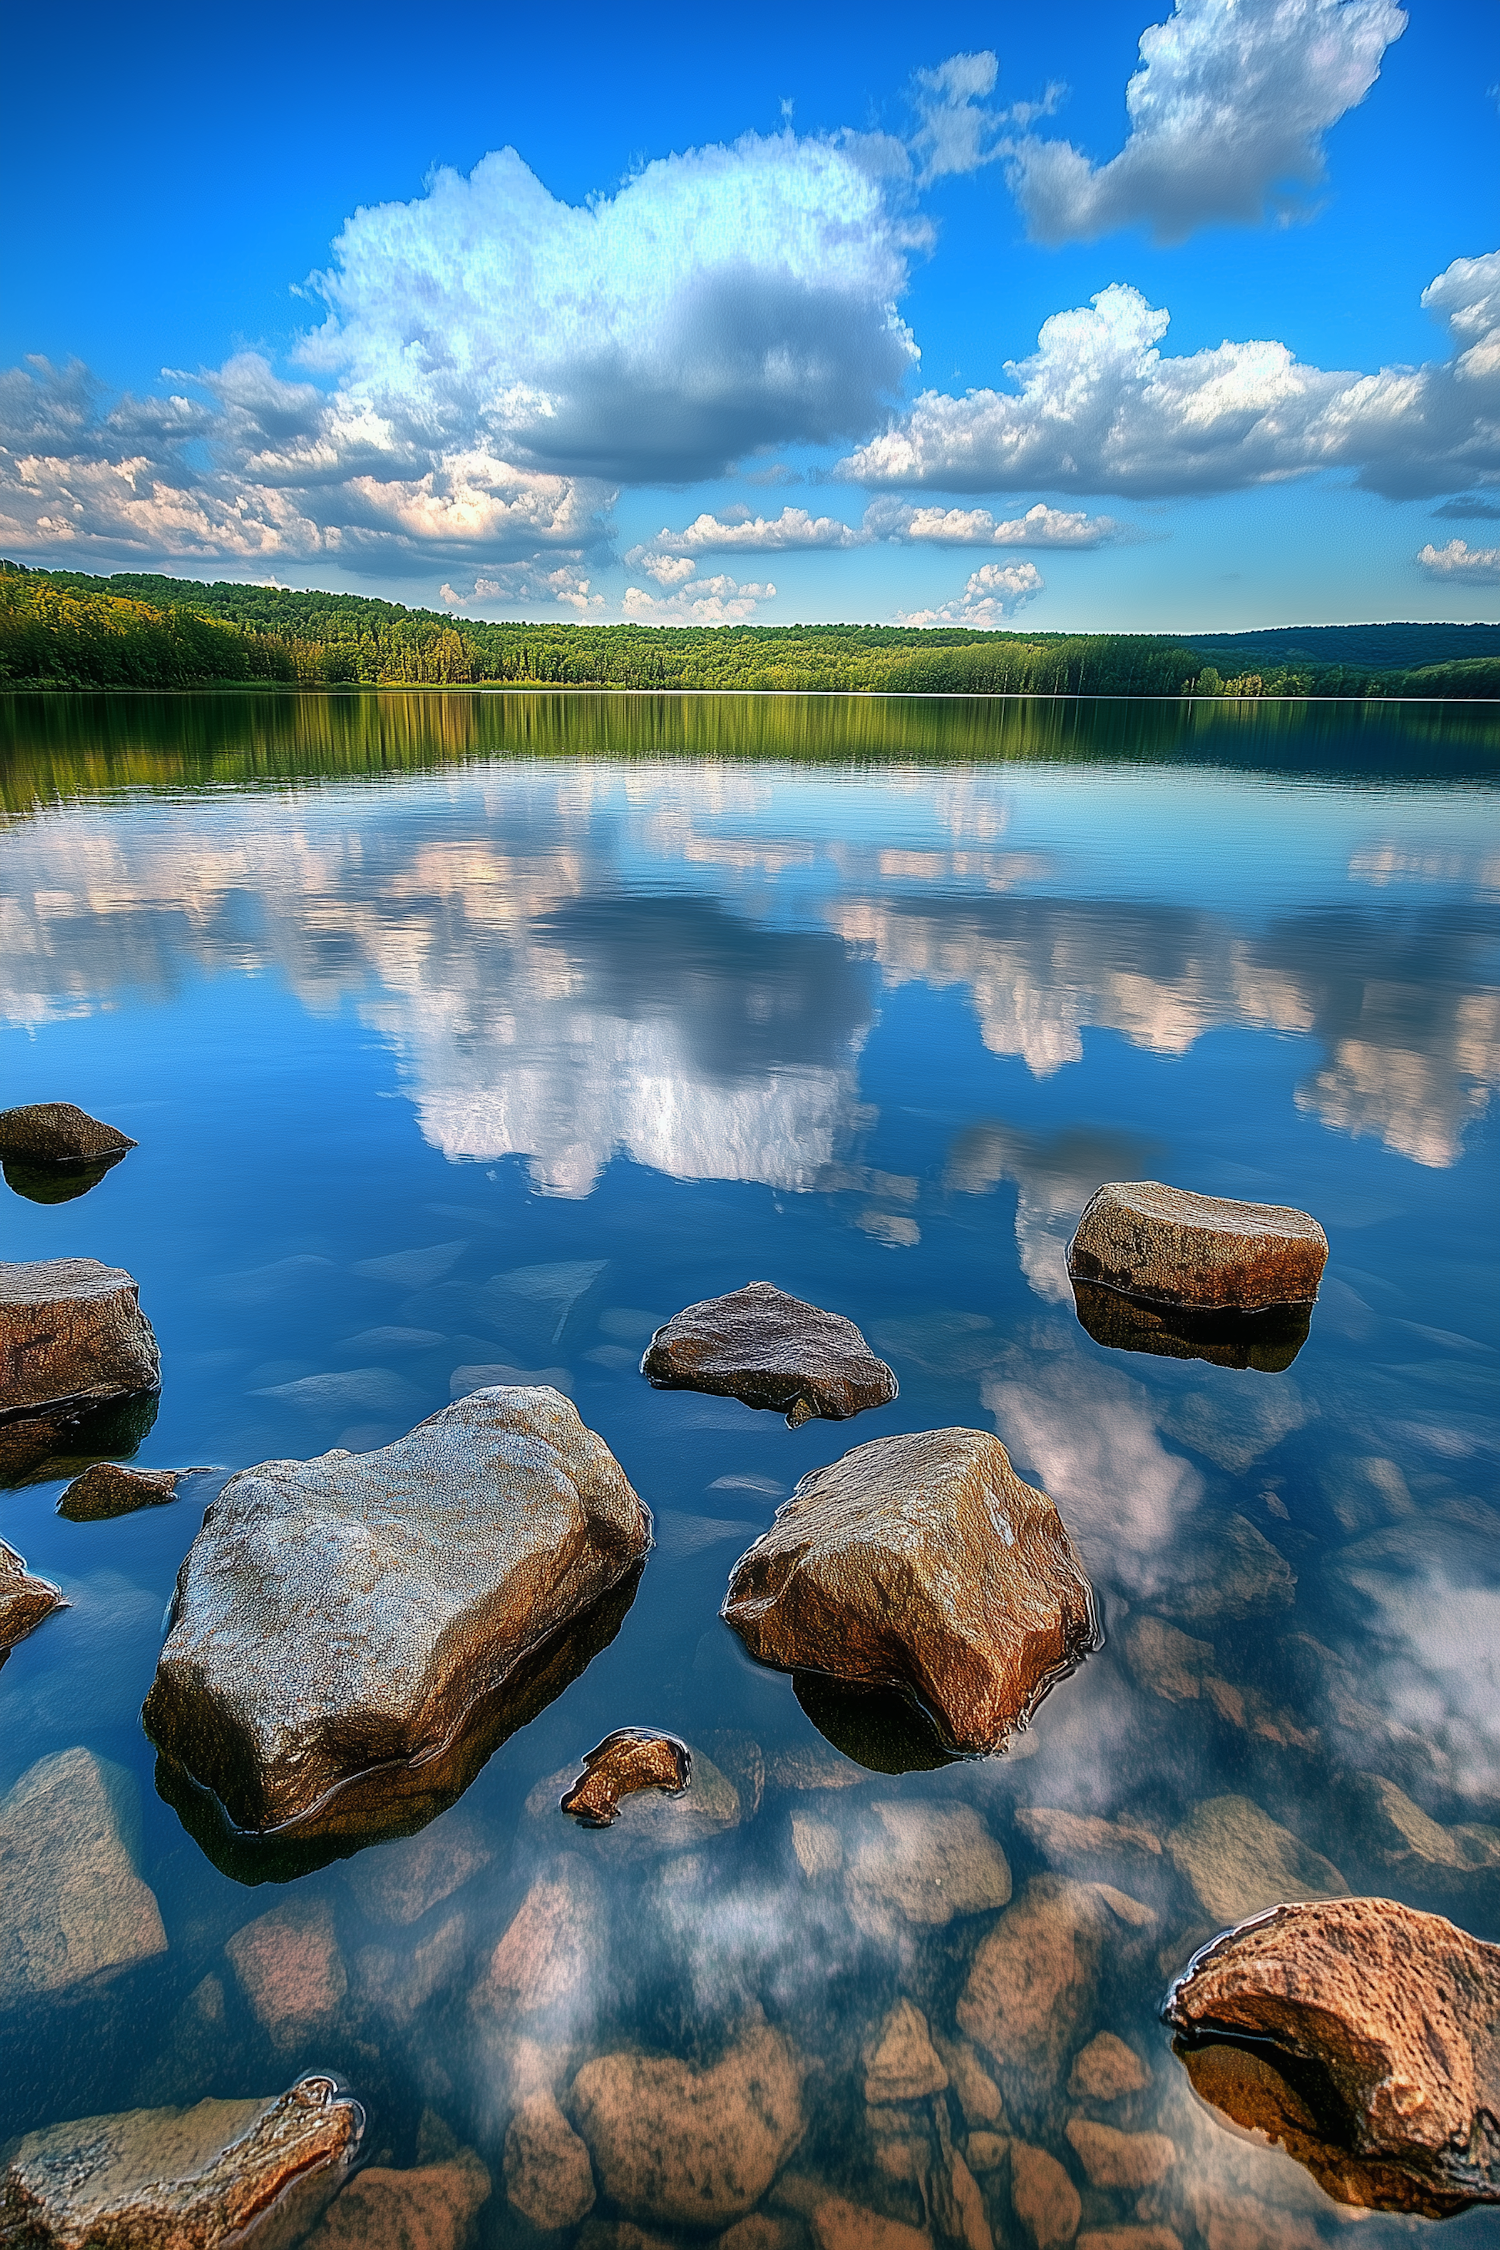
[63,629]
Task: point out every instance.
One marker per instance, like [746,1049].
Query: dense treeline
[64,629]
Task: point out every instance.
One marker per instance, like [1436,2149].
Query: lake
[464,1033]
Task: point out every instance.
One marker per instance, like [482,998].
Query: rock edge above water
[1372,2053]
[630,1759]
[924,1563]
[72,1335]
[24,1601]
[770,1350]
[1169,1246]
[58,1133]
[348,1614]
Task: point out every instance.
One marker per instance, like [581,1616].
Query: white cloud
[1040,526]
[895,521]
[1460,564]
[747,534]
[994,592]
[697,601]
[955,134]
[527,585]
[1098,408]
[1230,104]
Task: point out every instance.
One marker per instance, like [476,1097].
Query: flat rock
[288,1962]
[548,1955]
[1106,2070]
[243,2172]
[548,2177]
[630,1759]
[1044,2199]
[924,1863]
[431,2207]
[1030,1990]
[1397,1833]
[350,1613]
[1240,1861]
[1086,1836]
[1171,1246]
[1375,2060]
[73,1910]
[921,1563]
[24,1600]
[770,1350]
[401,1881]
[72,1334]
[838,2224]
[903,2065]
[1113,2159]
[692,2147]
[107,1489]
[58,1133]
[818,1845]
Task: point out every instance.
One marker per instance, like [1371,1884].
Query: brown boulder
[1045,2200]
[630,1759]
[106,1489]
[72,1334]
[243,2172]
[547,2174]
[923,1563]
[1120,2160]
[902,2064]
[1030,1990]
[288,1962]
[694,2147]
[58,1133]
[429,2208]
[73,1910]
[1375,2048]
[1106,2069]
[1169,1246]
[770,1350]
[24,1600]
[1240,1861]
[349,1616]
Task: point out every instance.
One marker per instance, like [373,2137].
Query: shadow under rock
[1268,1341]
[399,1798]
[38,1448]
[885,1730]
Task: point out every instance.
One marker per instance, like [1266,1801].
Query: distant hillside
[64,629]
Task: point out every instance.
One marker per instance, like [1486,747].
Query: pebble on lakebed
[72,1334]
[256,2172]
[770,1350]
[1166,1245]
[632,1758]
[1361,2035]
[921,1562]
[345,1617]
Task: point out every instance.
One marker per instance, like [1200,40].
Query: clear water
[401,993]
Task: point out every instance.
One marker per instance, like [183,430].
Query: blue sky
[588,316]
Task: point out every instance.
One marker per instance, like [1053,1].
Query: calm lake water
[403,995]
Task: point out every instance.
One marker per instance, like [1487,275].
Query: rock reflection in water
[1268,1341]
[36,1448]
[882,1729]
[42,1182]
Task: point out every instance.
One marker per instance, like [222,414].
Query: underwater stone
[770,1350]
[903,2064]
[348,1614]
[1240,1861]
[1106,2069]
[72,1334]
[24,1601]
[1030,1990]
[252,2173]
[431,2207]
[694,2147]
[290,1967]
[1044,2198]
[73,1910]
[1170,1246]
[1120,2160]
[1384,2020]
[630,1759]
[923,1864]
[548,1955]
[58,1133]
[922,1563]
[548,2178]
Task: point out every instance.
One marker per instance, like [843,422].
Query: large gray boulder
[924,1563]
[72,1335]
[350,1614]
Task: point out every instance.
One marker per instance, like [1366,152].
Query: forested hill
[64,629]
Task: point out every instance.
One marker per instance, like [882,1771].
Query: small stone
[1068,1835]
[1106,2070]
[986,2151]
[72,1334]
[903,2066]
[770,1350]
[903,2158]
[401,1881]
[1238,1573]
[813,1769]
[73,1910]
[1031,1987]
[739,1756]
[1392,2012]
[1171,1664]
[58,1133]
[925,1863]
[1043,2197]
[183,2179]
[818,1845]
[692,2147]
[1129,2238]
[969,2221]
[429,2208]
[758,2231]
[1125,1908]
[1171,1246]
[1401,1835]
[1120,2160]
[548,2178]
[24,1601]
[399,1983]
[288,1962]
[1239,1861]
[978,2095]
[632,1758]
[655,1821]
[921,1562]
[838,2225]
[105,1489]
[549,1953]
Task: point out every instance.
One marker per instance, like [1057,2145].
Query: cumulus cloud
[1040,526]
[695,601]
[1459,564]
[747,534]
[1230,104]
[526,584]
[894,521]
[957,135]
[1099,408]
[995,591]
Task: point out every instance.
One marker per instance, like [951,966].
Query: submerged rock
[923,1563]
[1030,1991]
[652,1820]
[58,1133]
[924,1864]
[348,1616]
[630,1759]
[1120,2160]
[432,2207]
[24,1600]
[692,2147]
[1170,1246]
[902,2064]
[290,1967]
[73,1910]
[550,1953]
[1240,1861]
[548,2177]
[1106,2069]
[105,1489]
[1045,2200]
[1372,2055]
[72,1335]
[770,1350]
[243,2172]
